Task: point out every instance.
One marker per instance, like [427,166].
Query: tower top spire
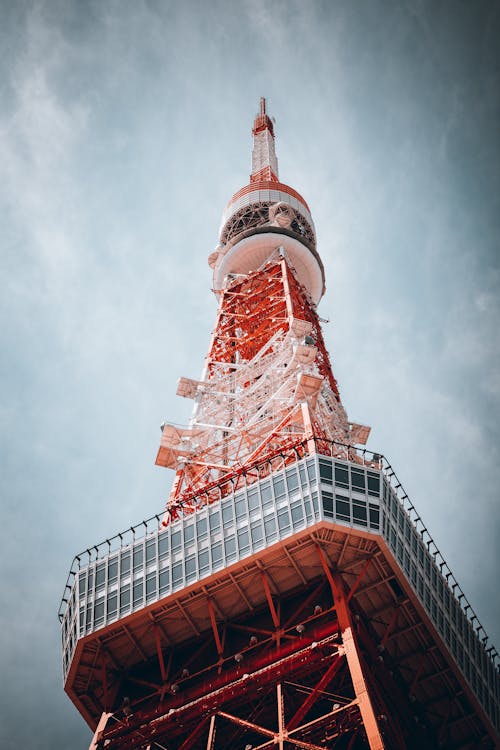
[264,161]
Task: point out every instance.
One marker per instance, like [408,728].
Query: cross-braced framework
[302,671]
[268,387]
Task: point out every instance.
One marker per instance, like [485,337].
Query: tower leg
[375,740]
[99,730]
[344,618]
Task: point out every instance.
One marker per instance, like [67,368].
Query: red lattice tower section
[268,389]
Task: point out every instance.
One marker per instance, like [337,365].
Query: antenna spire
[264,161]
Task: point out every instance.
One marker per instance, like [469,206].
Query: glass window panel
[279,487]
[292,480]
[265,492]
[328,504]
[203,560]
[176,540]
[151,584]
[125,563]
[138,557]
[243,540]
[151,550]
[227,515]
[374,517]
[124,597]
[297,514]
[240,508]
[164,581]
[373,481]
[311,471]
[81,584]
[283,519]
[100,575]
[230,546]
[190,567]
[188,533]
[257,533]
[341,475]
[359,513]
[201,527]
[325,471]
[253,499]
[217,553]
[113,570]
[112,604]
[342,508]
[138,592]
[214,521]
[99,612]
[162,545]
[177,573]
[269,526]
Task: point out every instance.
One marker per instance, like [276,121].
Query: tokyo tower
[290,595]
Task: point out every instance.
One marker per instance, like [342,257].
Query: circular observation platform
[260,218]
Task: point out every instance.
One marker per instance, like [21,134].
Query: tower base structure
[285,616]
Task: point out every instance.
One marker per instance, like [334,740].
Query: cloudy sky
[124,129]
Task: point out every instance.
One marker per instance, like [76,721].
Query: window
[176,540]
[150,551]
[138,593]
[257,533]
[265,492]
[239,507]
[113,570]
[177,574]
[227,515]
[341,475]
[374,516]
[253,498]
[230,548]
[327,504]
[100,575]
[138,558]
[283,519]
[292,480]
[151,586]
[217,553]
[201,527]
[162,546]
[189,533]
[279,487]
[343,508]
[214,521]
[325,472]
[190,568]
[243,540]
[270,526]
[358,479]
[203,561]
[359,514]
[112,604]
[297,514]
[164,581]
[373,481]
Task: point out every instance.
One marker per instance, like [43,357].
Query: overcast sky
[124,129]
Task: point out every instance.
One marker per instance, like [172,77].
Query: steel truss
[267,386]
[297,675]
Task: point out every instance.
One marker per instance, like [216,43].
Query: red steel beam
[315,693]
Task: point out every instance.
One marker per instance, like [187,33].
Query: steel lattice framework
[268,387]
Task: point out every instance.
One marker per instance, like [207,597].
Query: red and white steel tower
[290,596]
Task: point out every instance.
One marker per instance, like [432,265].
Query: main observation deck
[350,505]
